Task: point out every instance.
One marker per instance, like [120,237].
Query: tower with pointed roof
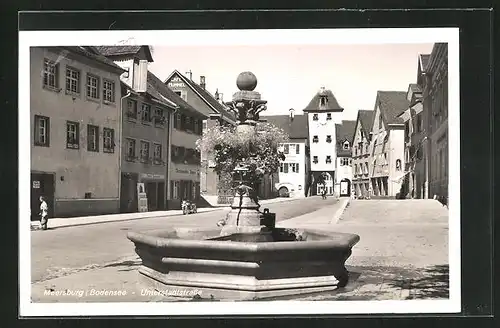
[323,112]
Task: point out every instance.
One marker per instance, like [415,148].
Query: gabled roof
[344,132]
[159,90]
[391,104]
[365,118]
[204,95]
[332,104]
[112,51]
[296,128]
[423,61]
[91,53]
[415,88]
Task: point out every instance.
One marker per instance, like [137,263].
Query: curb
[119,220]
[340,211]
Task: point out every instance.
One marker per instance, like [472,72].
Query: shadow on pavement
[432,282]
[368,283]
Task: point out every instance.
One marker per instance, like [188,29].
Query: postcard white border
[232,38]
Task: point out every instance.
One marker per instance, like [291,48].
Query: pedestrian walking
[44,209]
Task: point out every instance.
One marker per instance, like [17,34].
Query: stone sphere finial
[246,81]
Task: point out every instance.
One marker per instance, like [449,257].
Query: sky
[290,75]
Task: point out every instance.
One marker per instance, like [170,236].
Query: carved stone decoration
[246,103]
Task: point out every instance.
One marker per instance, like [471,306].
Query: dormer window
[322,101]
[346,145]
[329,139]
[315,139]
[329,116]
[315,117]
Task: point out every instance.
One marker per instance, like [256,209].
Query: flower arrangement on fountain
[256,151]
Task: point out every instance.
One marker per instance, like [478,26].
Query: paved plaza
[402,254]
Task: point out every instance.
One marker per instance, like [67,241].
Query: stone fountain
[248,258]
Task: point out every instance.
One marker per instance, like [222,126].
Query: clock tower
[323,112]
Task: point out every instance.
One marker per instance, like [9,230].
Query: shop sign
[36,184]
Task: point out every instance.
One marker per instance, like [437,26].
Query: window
[294,167]
[329,139]
[367,150]
[50,74]
[92,138]
[344,161]
[346,145]
[315,117]
[146,113]
[108,91]
[178,121]
[108,140]
[322,101]
[315,159]
[42,131]
[159,118]
[315,139]
[355,168]
[328,159]
[366,168]
[131,149]
[187,123]
[285,165]
[72,135]
[132,109]
[286,149]
[281,167]
[204,124]
[197,127]
[398,165]
[328,116]
[157,153]
[297,149]
[92,87]
[144,151]
[181,94]
[72,80]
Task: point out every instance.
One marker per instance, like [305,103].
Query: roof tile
[296,128]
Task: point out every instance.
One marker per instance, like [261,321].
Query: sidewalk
[85,220]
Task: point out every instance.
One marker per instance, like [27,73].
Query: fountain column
[245,216]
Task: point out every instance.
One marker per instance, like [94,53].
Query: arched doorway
[345,188]
[327,178]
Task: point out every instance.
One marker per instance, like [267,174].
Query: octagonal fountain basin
[243,266]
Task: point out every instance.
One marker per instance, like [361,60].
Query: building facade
[436,112]
[323,112]
[145,130]
[294,170]
[75,119]
[361,143]
[387,144]
[414,138]
[215,112]
[343,177]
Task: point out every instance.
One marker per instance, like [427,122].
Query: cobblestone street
[402,254]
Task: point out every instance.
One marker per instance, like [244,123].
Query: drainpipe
[169,154]
[120,133]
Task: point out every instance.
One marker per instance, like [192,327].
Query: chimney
[189,74]
[221,98]
[202,82]
[216,95]
[140,78]
[292,113]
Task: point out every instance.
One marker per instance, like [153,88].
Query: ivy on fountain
[257,150]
